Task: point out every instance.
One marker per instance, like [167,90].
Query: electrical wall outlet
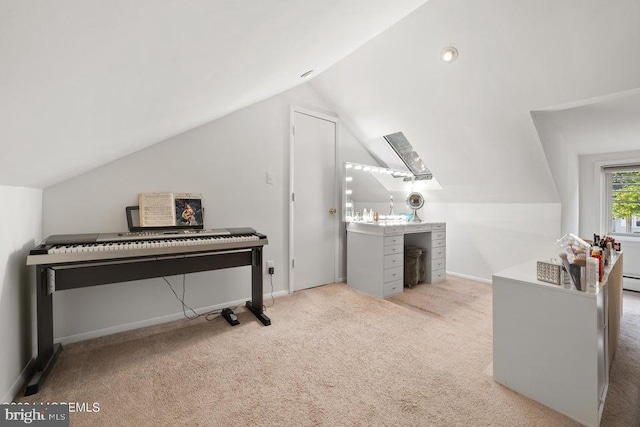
[270,264]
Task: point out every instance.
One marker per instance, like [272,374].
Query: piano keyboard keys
[149,244]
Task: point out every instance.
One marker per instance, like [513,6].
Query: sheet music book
[170,209]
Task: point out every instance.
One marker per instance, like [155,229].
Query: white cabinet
[375,254]
[551,344]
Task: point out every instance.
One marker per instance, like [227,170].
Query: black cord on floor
[210,315]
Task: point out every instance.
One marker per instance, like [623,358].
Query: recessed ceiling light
[307,74]
[449,54]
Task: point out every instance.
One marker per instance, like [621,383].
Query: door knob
[332,210]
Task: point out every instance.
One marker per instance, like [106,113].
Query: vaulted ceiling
[84,82]
[470,120]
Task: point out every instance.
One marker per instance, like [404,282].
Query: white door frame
[334,119]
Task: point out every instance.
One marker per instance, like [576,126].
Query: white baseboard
[631,283]
[155,321]
[466,276]
[24,375]
[19,382]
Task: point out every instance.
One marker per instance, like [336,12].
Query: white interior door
[314,202]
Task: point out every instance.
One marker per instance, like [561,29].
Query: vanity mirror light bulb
[374,169]
[349,205]
[349,179]
[348,192]
[348,165]
[358,167]
[366,168]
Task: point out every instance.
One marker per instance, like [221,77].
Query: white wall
[20,231]
[484,238]
[563,164]
[591,203]
[225,160]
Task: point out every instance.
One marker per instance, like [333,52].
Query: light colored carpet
[332,357]
[622,407]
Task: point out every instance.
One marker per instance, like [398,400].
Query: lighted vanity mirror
[373,193]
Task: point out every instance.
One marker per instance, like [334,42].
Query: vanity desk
[375,254]
[555,345]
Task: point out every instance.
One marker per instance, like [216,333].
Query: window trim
[604,171]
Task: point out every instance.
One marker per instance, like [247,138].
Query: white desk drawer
[394,230]
[438,252]
[436,235]
[393,274]
[438,264]
[392,250]
[394,240]
[438,276]
[438,243]
[439,226]
[391,261]
[418,228]
[392,288]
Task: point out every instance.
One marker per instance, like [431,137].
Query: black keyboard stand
[85,274]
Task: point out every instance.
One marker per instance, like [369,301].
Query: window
[411,159]
[623,199]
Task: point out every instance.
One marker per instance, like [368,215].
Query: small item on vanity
[582,262]
[575,271]
[597,253]
[375,216]
[549,272]
[565,279]
[565,263]
[592,273]
[581,255]
[616,246]
[391,204]
[609,252]
[365,214]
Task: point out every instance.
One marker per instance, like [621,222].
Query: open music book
[170,209]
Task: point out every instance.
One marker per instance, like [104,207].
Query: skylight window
[407,154]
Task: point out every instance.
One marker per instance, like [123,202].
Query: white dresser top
[527,273]
[394,227]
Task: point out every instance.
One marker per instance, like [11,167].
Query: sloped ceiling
[599,126]
[84,82]
[470,120]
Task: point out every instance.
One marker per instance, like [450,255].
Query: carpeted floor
[332,357]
